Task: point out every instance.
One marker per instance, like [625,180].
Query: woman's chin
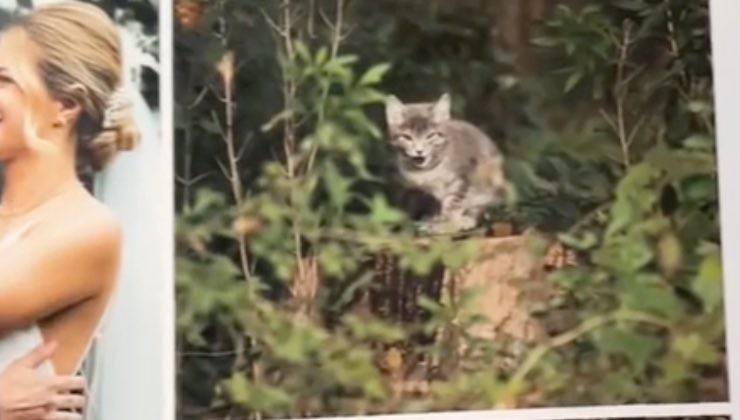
[7,152]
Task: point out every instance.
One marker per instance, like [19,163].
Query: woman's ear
[68,110]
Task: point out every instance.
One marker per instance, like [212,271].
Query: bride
[61,111]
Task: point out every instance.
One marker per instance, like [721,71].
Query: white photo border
[725,21]
[569,413]
[166,101]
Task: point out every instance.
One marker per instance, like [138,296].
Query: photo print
[391,207]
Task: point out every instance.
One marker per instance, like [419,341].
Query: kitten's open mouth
[418,160]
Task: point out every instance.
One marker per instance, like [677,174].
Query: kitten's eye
[434,135]
[403,138]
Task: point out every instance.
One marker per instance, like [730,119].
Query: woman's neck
[31,179]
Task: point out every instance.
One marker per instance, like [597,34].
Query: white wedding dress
[21,342]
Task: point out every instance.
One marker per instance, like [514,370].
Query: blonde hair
[80,59]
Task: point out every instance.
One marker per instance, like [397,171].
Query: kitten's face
[416,131]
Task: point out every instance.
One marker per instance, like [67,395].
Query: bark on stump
[509,277]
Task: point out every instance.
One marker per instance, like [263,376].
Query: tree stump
[508,284]
[508,276]
[509,279]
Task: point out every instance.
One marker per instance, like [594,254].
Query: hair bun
[128,136]
[118,130]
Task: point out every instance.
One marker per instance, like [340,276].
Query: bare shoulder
[101,225]
[89,226]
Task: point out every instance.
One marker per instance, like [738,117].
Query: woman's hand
[25,395]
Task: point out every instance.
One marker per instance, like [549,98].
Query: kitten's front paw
[447,225]
[438,226]
[465,223]
[426,228]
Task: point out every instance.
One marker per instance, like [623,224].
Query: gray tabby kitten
[450,159]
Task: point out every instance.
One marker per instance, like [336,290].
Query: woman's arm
[52,270]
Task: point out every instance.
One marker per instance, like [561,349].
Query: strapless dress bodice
[19,343]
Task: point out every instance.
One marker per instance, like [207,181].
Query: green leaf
[700,189]
[572,81]
[364,96]
[382,213]
[259,397]
[361,122]
[372,329]
[374,75]
[339,72]
[584,242]
[699,142]
[636,197]
[321,56]
[670,254]
[210,126]
[648,293]
[694,349]
[345,60]
[638,349]
[699,107]
[302,51]
[546,42]
[708,282]
[331,258]
[206,199]
[624,255]
[682,163]
[337,185]
[281,116]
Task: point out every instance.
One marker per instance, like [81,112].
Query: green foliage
[304,367]
[586,37]
[613,153]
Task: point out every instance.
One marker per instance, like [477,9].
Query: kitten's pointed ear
[441,109]
[393,111]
